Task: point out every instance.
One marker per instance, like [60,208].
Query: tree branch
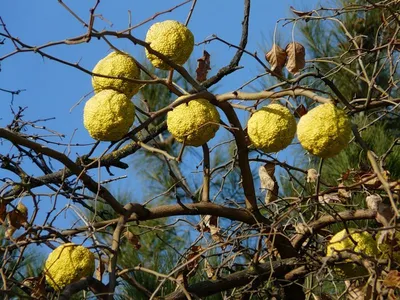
[327,220]
[80,172]
[96,286]
[275,269]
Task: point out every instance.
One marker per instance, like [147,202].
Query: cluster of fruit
[324,131]
[108,115]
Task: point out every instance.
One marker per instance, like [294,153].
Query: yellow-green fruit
[172,39]
[271,128]
[390,248]
[194,123]
[108,115]
[360,242]
[117,64]
[67,264]
[324,131]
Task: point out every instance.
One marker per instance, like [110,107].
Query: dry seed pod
[268,182]
[296,57]
[277,58]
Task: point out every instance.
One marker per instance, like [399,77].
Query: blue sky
[52,89]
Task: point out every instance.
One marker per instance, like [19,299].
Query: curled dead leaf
[301,13]
[296,57]
[358,291]
[343,193]
[277,58]
[211,225]
[210,271]
[133,239]
[300,111]
[375,182]
[9,232]
[272,250]
[345,175]
[396,192]
[37,285]
[194,258]
[18,217]
[3,212]
[384,212]
[302,228]
[312,175]
[392,280]
[329,198]
[203,66]
[373,201]
[268,182]
[181,277]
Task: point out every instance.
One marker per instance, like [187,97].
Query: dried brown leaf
[268,182]
[211,225]
[312,175]
[302,228]
[203,66]
[329,198]
[300,111]
[37,286]
[296,57]
[375,182]
[372,183]
[358,291]
[219,238]
[396,192]
[9,232]
[18,217]
[301,13]
[194,251]
[343,193]
[384,212]
[14,219]
[133,239]
[3,212]
[208,222]
[181,278]
[373,201]
[277,58]
[392,280]
[346,175]
[269,243]
[210,271]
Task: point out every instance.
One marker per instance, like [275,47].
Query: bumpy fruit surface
[67,264]
[193,123]
[364,243]
[117,64]
[108,115]
[324,131]
[271,128]
[172,39]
